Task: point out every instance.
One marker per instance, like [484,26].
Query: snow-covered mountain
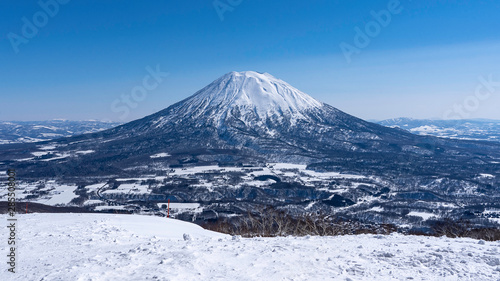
[251,97]
[35,131]
[258,115]
[470,129]
[249,139]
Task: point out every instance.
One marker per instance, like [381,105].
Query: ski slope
[128,247]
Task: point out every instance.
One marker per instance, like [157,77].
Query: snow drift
[126,247]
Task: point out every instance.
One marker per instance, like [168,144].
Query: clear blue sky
[87,55]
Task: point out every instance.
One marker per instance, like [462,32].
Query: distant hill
[470,129]
[34,131]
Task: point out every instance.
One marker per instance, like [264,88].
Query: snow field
[58,193]
[128,247]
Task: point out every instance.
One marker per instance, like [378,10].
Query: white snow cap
[259,92]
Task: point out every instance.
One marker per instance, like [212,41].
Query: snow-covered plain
[132,247]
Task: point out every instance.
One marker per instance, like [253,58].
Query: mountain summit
[251,110]
[249,96]
[258,92]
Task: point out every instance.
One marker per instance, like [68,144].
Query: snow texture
[127,247]
[260,94]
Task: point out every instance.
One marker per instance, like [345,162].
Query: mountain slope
[248,96]
[254,111]
[248,117]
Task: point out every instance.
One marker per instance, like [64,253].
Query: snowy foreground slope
[126,247]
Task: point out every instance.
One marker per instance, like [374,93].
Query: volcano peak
[260,93]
